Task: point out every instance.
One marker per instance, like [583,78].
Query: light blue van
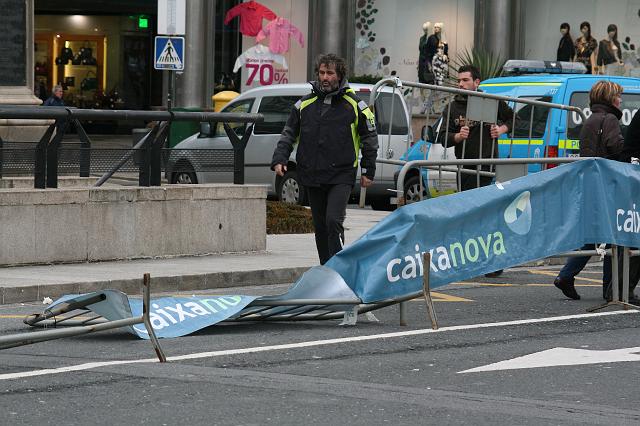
[554,133]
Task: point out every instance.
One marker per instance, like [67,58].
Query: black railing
[49,157]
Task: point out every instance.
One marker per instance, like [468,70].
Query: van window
[276,110]
[383,113]
[629,106]
[241,106]
[524,119]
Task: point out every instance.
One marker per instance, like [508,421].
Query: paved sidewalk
[285,259]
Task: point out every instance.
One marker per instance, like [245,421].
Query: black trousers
[329,208]
[468,181]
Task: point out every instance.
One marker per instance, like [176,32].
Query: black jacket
[632,140]
[605,54]
[601,136]
[321,123]
[472,148]
[53,101]
[566,49]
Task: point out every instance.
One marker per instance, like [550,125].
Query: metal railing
[474,165]
[47,157]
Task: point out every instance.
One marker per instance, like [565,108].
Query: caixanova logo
[518,218]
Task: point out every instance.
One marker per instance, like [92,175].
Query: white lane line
[308,344]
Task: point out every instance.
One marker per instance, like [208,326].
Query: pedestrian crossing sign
[169,53]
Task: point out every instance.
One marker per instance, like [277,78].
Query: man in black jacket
[56,97]
[331,126]
[470,140]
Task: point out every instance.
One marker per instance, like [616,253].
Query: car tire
[290,190]
[185,176]
[383,205]
[412,190]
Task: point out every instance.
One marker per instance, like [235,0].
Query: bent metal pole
[23,339]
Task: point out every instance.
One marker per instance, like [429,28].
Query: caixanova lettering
[164,316]
[411,266]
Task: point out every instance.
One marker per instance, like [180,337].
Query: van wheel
[290,190]
[412,190]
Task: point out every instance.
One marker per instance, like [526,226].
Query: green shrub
[286,218]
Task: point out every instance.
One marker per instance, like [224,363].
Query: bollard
[403,313]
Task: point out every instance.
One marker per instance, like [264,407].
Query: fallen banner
[475,232]
[467,234]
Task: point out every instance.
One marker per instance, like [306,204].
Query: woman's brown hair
[604,92]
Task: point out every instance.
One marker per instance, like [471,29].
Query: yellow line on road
[555,274]
[480,284]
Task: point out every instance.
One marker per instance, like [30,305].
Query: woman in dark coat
[600,137]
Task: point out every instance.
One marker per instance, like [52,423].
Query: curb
[177,283]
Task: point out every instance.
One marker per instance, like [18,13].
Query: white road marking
[561,356]
[308,344]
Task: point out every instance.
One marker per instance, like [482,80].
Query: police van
[540,132]
[554,132]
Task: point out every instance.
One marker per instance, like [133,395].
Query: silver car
[187,163]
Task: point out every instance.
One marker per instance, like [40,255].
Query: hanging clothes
[251,15]
[279,30]
[259,54]
[440,64]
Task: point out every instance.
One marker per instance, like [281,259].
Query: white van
[275,103]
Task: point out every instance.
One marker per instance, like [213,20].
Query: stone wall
[92,224]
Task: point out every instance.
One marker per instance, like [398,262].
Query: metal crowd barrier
[47,157]
[86,327]
[477,106]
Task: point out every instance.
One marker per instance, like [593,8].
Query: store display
[609,53]
[566,49]
[259,54]
[586,46]
[251,15]
[425,75]
[279,31]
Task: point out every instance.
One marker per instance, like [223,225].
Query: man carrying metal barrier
[473,139]
[466,135]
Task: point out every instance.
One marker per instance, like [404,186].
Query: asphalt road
[377,373]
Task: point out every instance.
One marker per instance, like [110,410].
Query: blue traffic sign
[169,53]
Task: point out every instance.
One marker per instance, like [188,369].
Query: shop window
[79,67]
[43,65]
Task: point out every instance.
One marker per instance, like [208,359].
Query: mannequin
[423,69]
[566,49]
[609,52]
[586,47]
[440,60]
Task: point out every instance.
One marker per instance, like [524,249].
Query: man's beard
[330,87]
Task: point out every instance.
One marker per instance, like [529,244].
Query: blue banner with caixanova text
[475,232]
[467,234]
[169,316]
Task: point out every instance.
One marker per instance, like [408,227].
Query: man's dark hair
[475,72]
[331,59]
